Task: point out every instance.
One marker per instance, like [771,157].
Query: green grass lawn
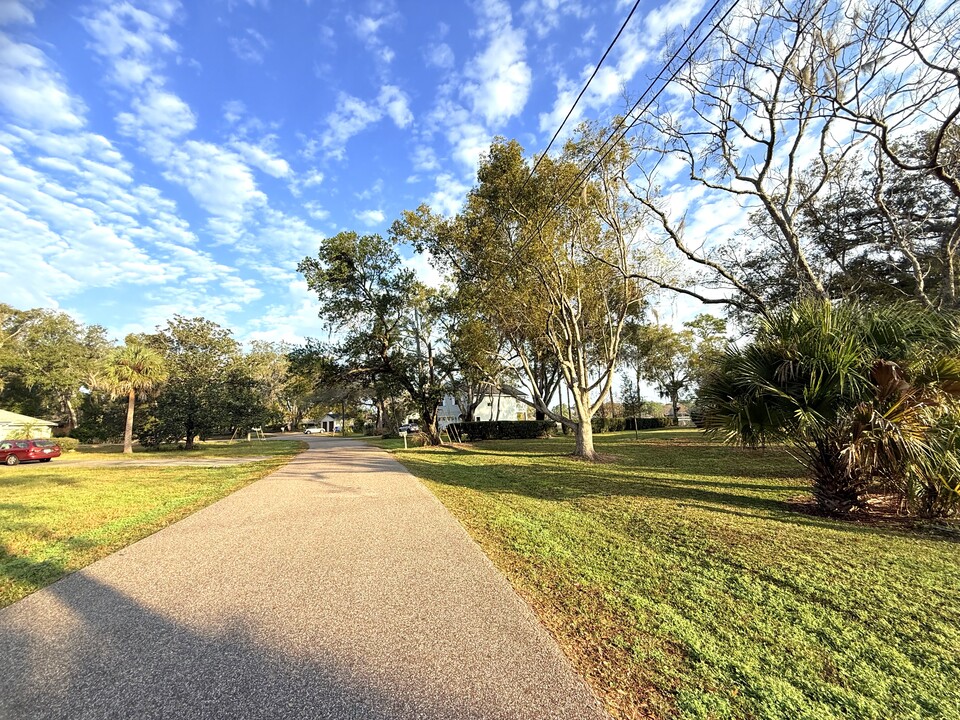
[206,449]
[683,582]
[56,518]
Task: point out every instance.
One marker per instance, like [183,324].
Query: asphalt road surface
[337,587]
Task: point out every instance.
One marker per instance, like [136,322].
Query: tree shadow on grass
[762,501]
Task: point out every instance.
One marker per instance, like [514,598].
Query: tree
[859,393]
[46,357]
[132,371]
[199,354]
[769,115]
[674,360]
[390,320]
[545,268]
[278,390]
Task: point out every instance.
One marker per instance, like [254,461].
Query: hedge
[66,443]
[503,430]
[618,424]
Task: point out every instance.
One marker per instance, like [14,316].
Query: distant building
[331,422]
[493,406]
[12,423]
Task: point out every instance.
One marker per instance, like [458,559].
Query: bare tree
[769,111]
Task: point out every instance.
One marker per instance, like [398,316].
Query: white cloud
[448,198]
[134,39]
[32,92]
[250,47]
[367,28]
[316,211]
[303,181]
[425,158]
[351,116]
[498,79]
[396,104]
[441,56]
[263,159]
[217,179]
[13,13]
[370,217]
[234,111]
[161,113]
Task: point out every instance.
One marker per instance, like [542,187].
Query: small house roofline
[12,418]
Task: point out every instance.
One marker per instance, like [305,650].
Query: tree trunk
[838,489]
[128,430]
[71,415]
[189,443]
[584,427]
[428,425]
[584,437]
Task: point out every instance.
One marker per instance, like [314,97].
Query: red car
[14,452]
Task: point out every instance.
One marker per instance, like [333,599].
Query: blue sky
[161,157]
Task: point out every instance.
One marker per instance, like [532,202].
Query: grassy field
[57,517]
[683,580]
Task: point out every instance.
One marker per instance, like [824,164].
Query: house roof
[12,418]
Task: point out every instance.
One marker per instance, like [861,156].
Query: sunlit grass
[684,582]
[57,517]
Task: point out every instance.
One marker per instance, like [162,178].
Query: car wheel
[12,460]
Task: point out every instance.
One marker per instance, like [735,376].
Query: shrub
[86,435]
[619,424]
[67,443]
[861,394]
[504,430]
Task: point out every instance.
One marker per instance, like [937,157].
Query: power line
[612,138]
[592,163]
[583,90]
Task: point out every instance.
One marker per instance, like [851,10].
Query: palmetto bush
[866,397]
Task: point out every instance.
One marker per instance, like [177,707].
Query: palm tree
[854,391]
[133,370]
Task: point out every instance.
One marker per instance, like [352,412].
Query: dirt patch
[881,511]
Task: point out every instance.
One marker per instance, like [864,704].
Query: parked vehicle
[409,428]
[314,430]
[14,452]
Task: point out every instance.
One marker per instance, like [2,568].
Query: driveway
[336,587]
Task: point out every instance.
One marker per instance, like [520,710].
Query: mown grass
[206,449]
[56,517]
[683,582]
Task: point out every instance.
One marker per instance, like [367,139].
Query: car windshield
[44,443]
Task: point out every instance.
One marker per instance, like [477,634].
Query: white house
[12,423]
[331,422]
[493,406]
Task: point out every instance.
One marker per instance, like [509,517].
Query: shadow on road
[119,659]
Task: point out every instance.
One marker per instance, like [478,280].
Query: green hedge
[618,424]
[66,443]
[503,430]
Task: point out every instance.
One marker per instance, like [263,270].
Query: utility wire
[612,139]
[583,90]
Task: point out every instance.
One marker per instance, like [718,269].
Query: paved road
[337,587]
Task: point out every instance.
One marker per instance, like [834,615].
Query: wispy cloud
[498,79]
[32,91]
[367,28]
[396,104]
[353,115]
[250,47]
